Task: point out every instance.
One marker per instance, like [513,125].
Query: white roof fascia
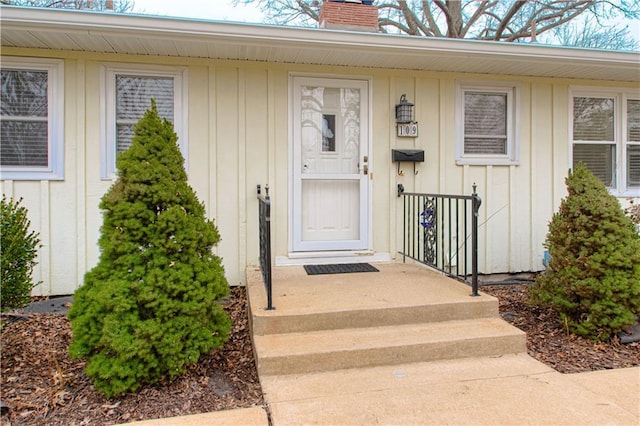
[142,26]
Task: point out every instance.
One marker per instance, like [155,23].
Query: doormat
[339,268]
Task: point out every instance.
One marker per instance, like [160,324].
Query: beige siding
[238,136]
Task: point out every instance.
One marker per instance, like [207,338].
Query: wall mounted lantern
[405,125]
[404,111]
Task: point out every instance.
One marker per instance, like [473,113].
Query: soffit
[188,38]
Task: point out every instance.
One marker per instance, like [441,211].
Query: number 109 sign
[409,130]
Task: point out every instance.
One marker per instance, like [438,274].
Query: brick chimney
[350,15]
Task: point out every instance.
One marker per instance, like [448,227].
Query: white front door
[330,164]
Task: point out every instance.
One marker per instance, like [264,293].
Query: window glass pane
[24,135]
[124,136]
[133,98]
[633,120]
[329,124]
[485,123]
[633,166]
[599,159]
[593,119]
[24,93]
[24,143]
[328,133]
[485,145]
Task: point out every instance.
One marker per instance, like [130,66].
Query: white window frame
[55,120]
[508,88]
[620,96]
[108,89]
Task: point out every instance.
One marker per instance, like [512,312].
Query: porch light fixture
[404,111]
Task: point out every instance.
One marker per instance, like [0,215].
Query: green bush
[593,277]
[149,308]
[18,251]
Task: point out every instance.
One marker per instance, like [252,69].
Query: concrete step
[398,294]
[327,350]
[281,323]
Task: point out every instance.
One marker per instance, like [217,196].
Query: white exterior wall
[238,137]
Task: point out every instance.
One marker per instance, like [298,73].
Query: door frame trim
[290,167]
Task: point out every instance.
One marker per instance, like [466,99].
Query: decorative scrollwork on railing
[441,231]
[428,220]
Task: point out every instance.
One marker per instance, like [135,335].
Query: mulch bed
[42,385]
[548,342]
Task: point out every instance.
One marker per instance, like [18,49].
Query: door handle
[365,169]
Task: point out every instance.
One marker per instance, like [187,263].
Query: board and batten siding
[238,136]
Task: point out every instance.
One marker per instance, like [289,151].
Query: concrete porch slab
[335,300]
[330,293]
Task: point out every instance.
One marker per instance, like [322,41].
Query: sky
[223,10]
[219,10]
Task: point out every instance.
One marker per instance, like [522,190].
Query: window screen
[633,140]
[593,119]
[485,123]
[24,138]
[599,159]
[133,98]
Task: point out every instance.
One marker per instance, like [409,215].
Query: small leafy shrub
[18,251]
[149,307]
[593,277]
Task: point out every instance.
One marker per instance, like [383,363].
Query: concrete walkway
[244,416]
[507,390]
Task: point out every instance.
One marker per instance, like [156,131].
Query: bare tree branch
[499,20]
[484,6]
[508,17]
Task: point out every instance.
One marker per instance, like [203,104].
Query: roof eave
[257,35]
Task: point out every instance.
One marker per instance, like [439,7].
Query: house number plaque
[408,130]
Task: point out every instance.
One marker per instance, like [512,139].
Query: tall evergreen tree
[593,278]
[149,307]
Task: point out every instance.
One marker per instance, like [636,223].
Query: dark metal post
[264,213]
[475,209]
[404,226]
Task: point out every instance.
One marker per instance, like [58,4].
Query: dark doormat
[339,268]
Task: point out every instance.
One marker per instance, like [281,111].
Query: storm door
[330,164]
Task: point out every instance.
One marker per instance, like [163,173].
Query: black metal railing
[264,221]
[441,231]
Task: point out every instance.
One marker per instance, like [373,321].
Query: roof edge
[261,34]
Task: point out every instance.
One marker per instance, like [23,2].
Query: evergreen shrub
[593,277]
[150,308]
[18,251]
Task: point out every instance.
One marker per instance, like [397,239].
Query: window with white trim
[31,119]
[128,95]
[486,123]
[605,135]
